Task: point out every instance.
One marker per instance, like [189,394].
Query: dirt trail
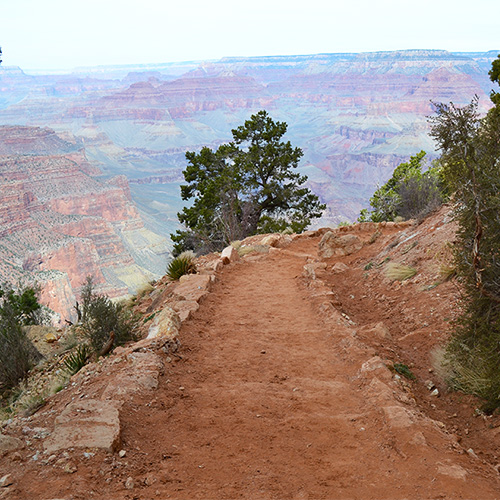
[270,400]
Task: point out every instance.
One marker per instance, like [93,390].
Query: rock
[435,393]
[70,468]
[193,287]
[272,240]
[166,324]
[398,417]
[122,453]
[430,385]
[373,364]
[140,374]
[332,245]
[229,255]
[185,308]
[339,267]
[86,424]
[454,471]
[9,443]
[311,269]
[378,330]
[217,265]
[6,481]
[50,338]
[277,240]
[129,483]
[418,439]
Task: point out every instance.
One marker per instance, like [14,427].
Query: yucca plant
[77,360]
[181,265]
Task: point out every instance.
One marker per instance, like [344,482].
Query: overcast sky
[62,34]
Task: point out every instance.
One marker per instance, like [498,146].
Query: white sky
[62,34]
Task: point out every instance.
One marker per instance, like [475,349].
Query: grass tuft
[399,272]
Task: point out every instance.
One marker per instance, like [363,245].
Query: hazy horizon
[58,35]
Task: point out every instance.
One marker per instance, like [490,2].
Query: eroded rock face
[333,245]
[59,224]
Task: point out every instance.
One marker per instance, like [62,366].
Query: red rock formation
[58,225]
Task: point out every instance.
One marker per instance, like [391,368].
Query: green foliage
[181,265]
[470,147]
[23,304]
[17,354]
[402,369]
[77,359]
[245,187]
[103,319]
[409,193]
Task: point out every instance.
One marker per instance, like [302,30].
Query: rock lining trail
[271,396]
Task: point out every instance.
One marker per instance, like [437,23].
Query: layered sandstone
[58,224]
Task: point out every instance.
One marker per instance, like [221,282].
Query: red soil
[270,399]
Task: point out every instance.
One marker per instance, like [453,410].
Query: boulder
[339,267]
[229,255]
[166,324]
[185,308]
[332,245]
[378,330]
[277,240]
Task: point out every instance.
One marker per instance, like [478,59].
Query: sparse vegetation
[77,359]
[409,193]
[17,353]
[399,272]
[181,265]
[447,272]
[403,370]
[104,323]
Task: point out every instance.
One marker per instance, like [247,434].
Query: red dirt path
[268,402]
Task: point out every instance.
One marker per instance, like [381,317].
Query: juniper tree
[470,147]
[245,187]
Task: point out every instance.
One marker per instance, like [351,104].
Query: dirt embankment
[281,389]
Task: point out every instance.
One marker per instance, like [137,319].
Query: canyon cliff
[356,116]
[59,222]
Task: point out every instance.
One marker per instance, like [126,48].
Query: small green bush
[402,369]
[181,265]
[399,272]
[17,353]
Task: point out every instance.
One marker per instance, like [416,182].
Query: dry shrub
[399,272]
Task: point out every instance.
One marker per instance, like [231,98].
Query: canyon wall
[59,222]
[356,116]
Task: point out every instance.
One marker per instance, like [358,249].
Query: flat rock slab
[140,373]
[86,424]
[193,287]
